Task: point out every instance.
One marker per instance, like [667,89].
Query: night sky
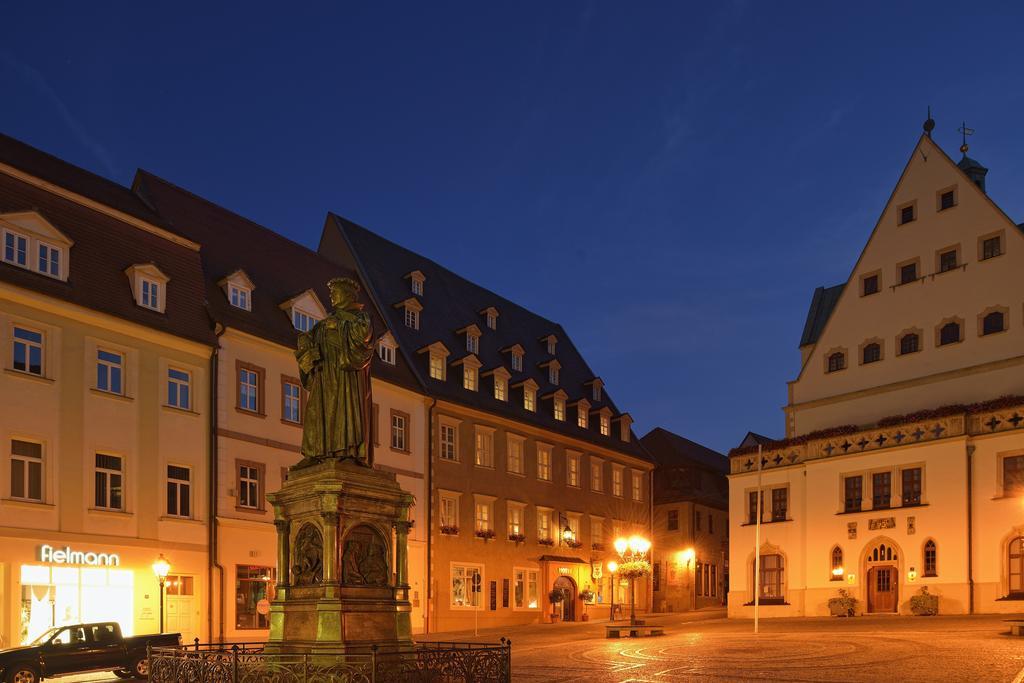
[670,182]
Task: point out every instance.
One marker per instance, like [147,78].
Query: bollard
[197,643]
[234,663]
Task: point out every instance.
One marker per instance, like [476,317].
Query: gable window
[179,490]
[150,294]
[780,504]
[638,491]
[1013,475]
[484,448]
[949,334]
[881,490]
[560,409]
[543,462]
[572,469]
[616,481]
[517,361]
[991,247]
[437,367]
[947,200]
[872,353]
[109,370]
[500,388]
[16,249]
[836,361]
[109,493]
[930,559]
[386,352]
[596,480]
[947,260]
[514,454]
[179,389]
[303,322]
[912,486]
[993,323]
[910,343]
[27,351]
[399,431]
[870,285]
[606,425]
[49,260]
[240,297]
[449,442]
[908,273]
[673,520]
[907,214]
[26,470]
[412,318]
[854,492]
[291,401]
[250,486]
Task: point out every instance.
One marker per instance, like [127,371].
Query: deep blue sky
[670,182]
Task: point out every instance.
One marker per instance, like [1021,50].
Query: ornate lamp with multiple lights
[634,565]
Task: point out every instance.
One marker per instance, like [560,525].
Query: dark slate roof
[103,248]
[968,164]
[450,303]
[754,439]
[822,304]
[279,268]
[670,450]
[59,172]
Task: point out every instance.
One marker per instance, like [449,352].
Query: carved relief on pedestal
[364,560]
[308,563]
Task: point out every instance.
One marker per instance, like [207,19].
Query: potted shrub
[843,606]
[924,604]
[555,597]
[587,596]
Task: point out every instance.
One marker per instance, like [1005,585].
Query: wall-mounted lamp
[850,578]
[912,575]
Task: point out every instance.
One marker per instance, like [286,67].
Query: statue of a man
[334,367]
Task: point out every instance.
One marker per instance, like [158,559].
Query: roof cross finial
[965,131]
[929,124]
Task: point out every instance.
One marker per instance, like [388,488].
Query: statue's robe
[334,367]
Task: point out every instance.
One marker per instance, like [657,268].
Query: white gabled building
[903,463]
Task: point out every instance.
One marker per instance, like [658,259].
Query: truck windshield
[44,636]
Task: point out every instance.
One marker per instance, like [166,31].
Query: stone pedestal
[342,532]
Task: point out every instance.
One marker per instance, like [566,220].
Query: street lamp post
[613,567]
[633,552]
[160,568]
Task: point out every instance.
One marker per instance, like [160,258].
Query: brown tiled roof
[103,248]
[451,303]
[279,268]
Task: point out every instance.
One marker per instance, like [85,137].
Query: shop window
[462,593]
[179,389]
[26,470]
[252,584]
[62,595]
[109,482]
[179,491]
[527,595]
[27,351]
[180,585]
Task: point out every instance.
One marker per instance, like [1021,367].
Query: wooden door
[882,589]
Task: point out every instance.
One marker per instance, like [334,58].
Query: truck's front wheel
[23,673]
[140,667]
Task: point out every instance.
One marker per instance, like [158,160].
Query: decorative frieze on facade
[878,438]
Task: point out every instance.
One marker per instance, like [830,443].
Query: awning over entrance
[563,560]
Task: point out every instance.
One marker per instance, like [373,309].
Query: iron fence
[441,662]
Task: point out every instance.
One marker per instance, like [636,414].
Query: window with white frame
[560,409]
[386,351]
[551,345]
[412,318]
[179,389]
[482,516]
[16,249]
[529,399]
[517,361]
[437,366]
[526,593]
[469,377]
[638,487]
[179,491]
[595,391]
[484,448]
[492,320]
[553,374]
[543,524]
[110,371]
[596,480]
[248,486]
[248,389]
[616,481]
[416,284]
[500,388]
[572,469]
[150,294]
[472,342]
[449,441]
[399,431]
[597,530]
[573,522]
[302,321]
[606,425]
[515,519]
[26,470]
[49,260]
[514,454]
[27,351]
[543,462]
[582,418]
[240,297]
[449,514]
[109,482]
[463,594]
[291,402]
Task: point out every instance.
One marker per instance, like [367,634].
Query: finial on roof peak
[929,123]
[965,131]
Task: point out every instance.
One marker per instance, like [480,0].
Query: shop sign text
[66,555]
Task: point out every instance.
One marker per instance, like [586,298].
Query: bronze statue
[334,367]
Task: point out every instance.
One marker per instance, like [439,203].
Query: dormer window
[472,333]
[149,286]
[553,374]
[529,395]
[517,361]
[32,242]
[437,363]
[550,341]
[15,249]
[386,349]
[625,425]
[560,409]
[470,372]
[437,369]
[49,260]
[240,297]
[416,280]
[304,310]
[302,321]
[500,388]
[491,314]
[411,308]
[596,385]
[582,414]
[605,421]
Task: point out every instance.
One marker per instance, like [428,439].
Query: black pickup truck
[66,650]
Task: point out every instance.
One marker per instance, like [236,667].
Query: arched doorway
[568,588]
[883,578]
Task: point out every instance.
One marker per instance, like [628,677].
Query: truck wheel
[140,667]
[23,673]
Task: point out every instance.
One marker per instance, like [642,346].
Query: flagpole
[757,546]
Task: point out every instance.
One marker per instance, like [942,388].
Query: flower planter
[924,604]
[843,606]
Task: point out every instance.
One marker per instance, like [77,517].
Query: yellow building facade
[901,470]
